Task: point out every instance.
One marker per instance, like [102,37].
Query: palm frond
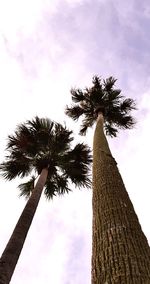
[13,168]
[76,165]
[78,177]
[96,80]
[62,185]
[27,188]
[43,130]
[109,83]
[88,121]
[37,124]
[96,91]
[127,105]
[74,112]
[126,122]
[80,153]
[50,188]
[16,155]
[23,140]
[83,129]
[113,97]
[110,130]
[56,185]
[77,95]
[62,134]
[62,139]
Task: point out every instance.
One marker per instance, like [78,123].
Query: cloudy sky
[47,47]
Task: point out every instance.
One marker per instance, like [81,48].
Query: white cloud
[16,16]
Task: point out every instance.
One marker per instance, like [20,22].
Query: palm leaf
[37,124]
[62,184]
[13,168]
[110,131]
[88,121]
[126,122]
[109,84]
[50,188]
[77,95]
[75,165]
[27,188]
[23,140]
[127,105]
[74,112]
[62,138]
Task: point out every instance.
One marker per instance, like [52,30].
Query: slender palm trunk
[13,249]
[120,251]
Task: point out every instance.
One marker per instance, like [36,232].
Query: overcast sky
[47,47]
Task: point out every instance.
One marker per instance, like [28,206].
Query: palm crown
[103,98]
[42,143]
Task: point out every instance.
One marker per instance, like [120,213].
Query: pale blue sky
[47,47]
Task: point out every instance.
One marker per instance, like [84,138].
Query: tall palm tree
[43,148]
[120,251]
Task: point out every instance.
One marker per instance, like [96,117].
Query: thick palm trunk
[13,249]
[120,251]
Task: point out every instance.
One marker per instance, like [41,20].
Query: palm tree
[43,148]
[120,251]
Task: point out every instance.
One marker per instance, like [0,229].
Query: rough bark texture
[13,249]
[120,251]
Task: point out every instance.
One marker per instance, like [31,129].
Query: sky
[47,47]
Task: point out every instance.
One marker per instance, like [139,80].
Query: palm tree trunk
[13,249]
[120,251]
